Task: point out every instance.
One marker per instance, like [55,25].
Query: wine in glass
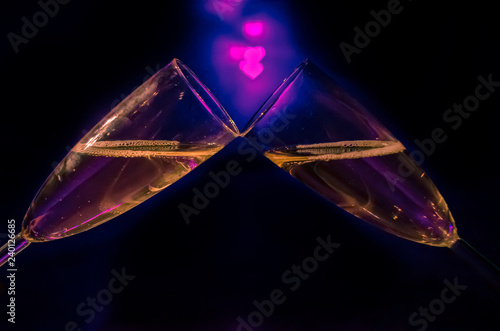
[158,134]
[322,136]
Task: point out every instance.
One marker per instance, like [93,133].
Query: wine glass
[322,136]
[158,134]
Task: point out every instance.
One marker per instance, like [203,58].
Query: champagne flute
[155,136]
[322,136]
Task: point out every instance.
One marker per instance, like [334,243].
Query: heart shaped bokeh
[250,64]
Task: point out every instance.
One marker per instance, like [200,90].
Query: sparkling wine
[376,181]
[99,181]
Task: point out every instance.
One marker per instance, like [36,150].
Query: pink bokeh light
[236,52]
[241,86]
[251,65]
[254,54]
[253,29]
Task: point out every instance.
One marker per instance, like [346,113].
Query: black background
[202,276]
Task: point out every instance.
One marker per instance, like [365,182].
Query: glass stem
[12,248]
[478,261]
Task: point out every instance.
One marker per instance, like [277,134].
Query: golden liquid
[376,181]
[99,181]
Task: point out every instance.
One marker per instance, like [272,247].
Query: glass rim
[205,96]
[271,100]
